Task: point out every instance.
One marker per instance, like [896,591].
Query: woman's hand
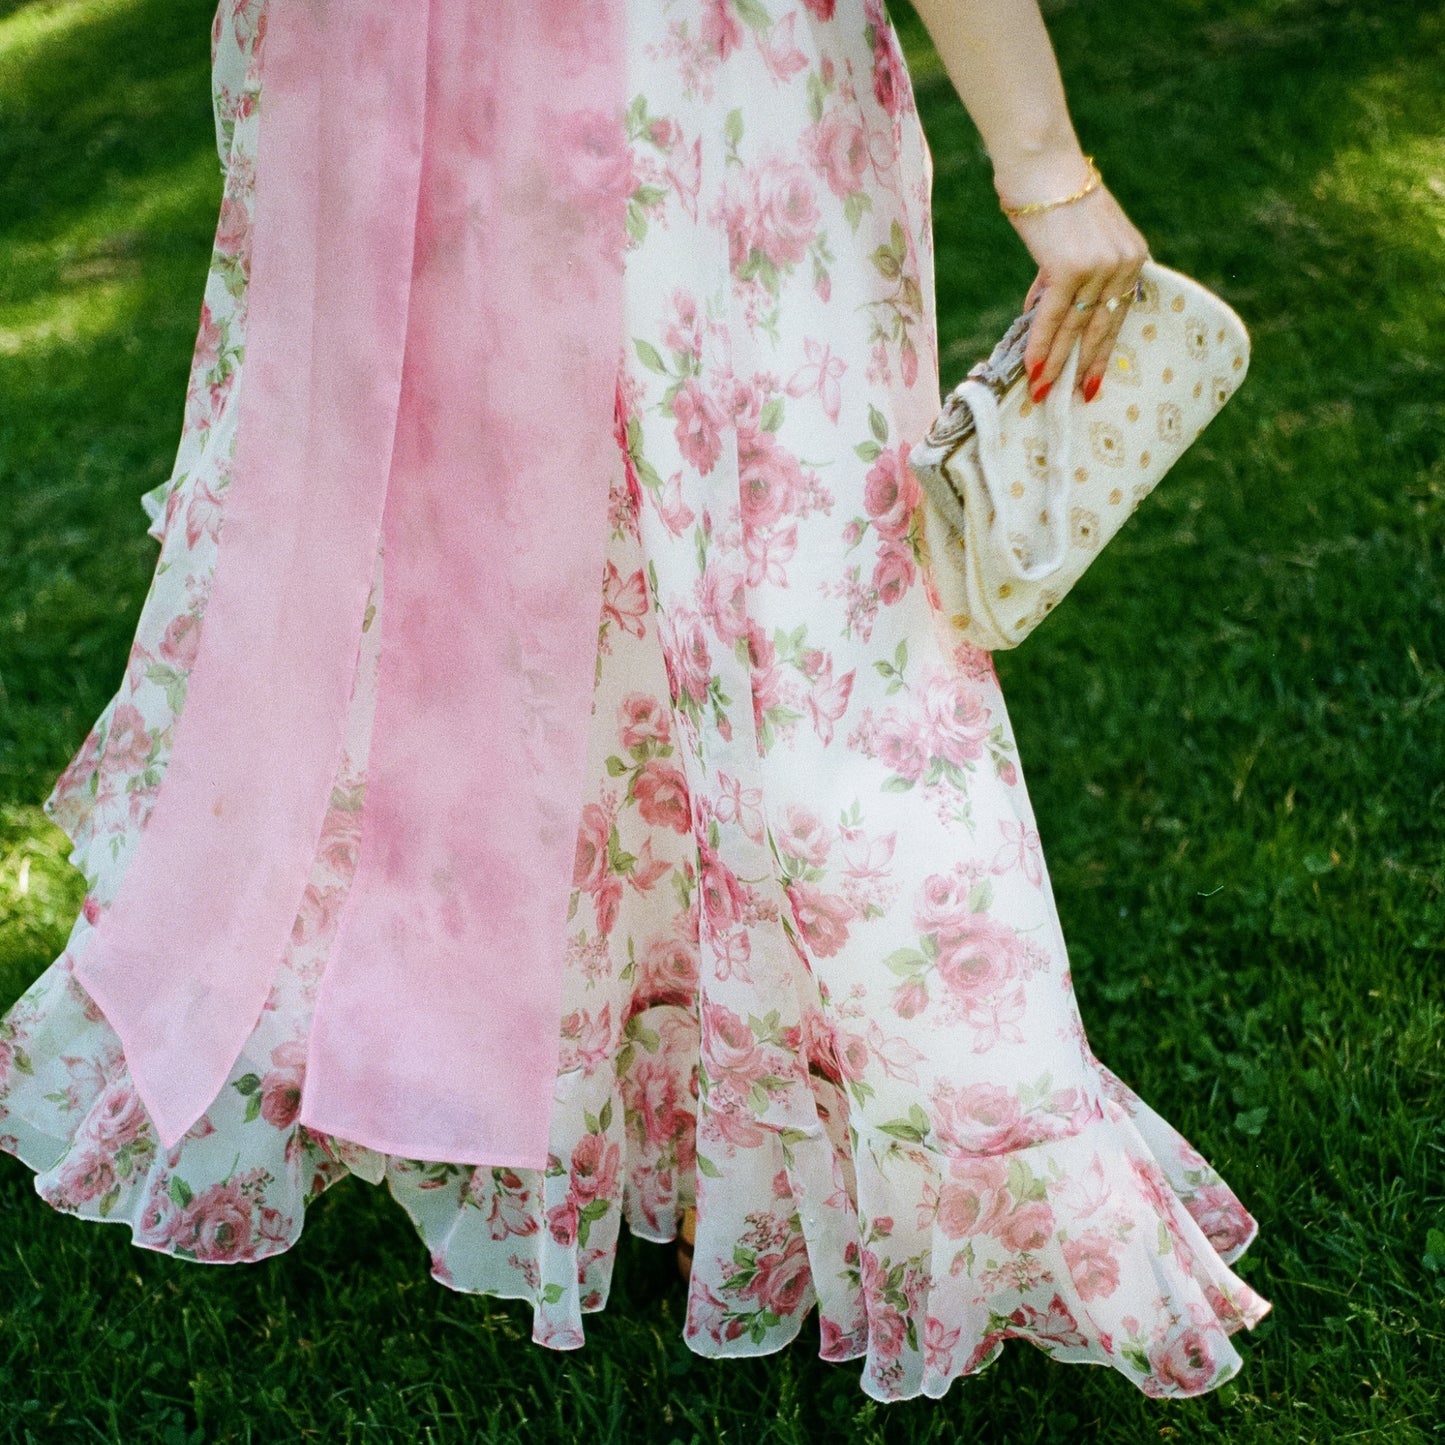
[1087,252]
[1001,62]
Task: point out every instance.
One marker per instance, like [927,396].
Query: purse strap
[1058,409]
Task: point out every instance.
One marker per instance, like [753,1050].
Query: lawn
[1233,734]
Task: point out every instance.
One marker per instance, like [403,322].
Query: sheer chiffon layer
[813,977]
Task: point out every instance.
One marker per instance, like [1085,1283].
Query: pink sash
[433,338]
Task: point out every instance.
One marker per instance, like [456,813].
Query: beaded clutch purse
[1020,498]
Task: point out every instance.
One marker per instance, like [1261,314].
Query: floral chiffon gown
[815,979]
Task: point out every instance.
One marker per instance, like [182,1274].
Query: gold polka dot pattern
[1027,496]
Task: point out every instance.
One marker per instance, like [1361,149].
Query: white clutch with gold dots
[1020,498]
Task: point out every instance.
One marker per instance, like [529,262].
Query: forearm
[998,55]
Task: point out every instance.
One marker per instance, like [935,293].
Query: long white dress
[815,978]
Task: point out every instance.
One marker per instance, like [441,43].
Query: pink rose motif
[117,1117]
[158,1219]
[804,836]
[887,1331]
[853,1054]
[822,918]
[562,1221]
[944,904]
[724,898]
[1093,1264]
[664,133]
[979,1119]
[769,479]
[594,1169]
[1186,1363]
[643,720]
[782,1277]
[891,493]
[654,1090]
[216,1225]
[85,1177]
[662,796]
[977,960]
[686,650]
[959,1209]
[893,573]
[902,747]
[731,1051]
[725,602]
[591,863]
[341,840]
[281,1098]
[958,721]
[669,971]
[838,148]
[787,213]
[608,904]
[973,1195]
[889,77]
[699,425]
[586,1039]
[127,743]
[1220,1217]
[910,998]
[1027,1228]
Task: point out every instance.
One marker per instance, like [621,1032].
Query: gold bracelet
[1034,207]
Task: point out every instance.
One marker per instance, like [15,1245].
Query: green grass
[1232,736]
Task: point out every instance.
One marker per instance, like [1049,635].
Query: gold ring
[1115,302]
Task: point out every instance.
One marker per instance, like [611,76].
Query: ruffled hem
[922,1268]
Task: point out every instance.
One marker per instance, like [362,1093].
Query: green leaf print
[180,1191]
[750,12]
[855,206]
[551,1294]
[877,424]
[707,1167]
[648,355]
[905,962]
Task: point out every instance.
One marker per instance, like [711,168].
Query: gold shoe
[687,1237]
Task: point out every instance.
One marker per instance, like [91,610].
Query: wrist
[1025,173]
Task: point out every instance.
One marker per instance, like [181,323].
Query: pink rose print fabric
[815,980]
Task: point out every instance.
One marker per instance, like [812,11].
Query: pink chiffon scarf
[433,338]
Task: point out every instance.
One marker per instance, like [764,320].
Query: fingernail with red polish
[1091,387]
[1041,392]
[1034,370]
